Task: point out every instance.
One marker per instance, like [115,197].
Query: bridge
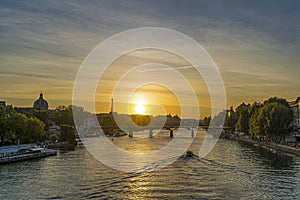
[131,129]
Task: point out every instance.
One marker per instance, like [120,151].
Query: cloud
[163,69]
[254,43]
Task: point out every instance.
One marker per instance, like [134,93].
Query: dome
[41,103]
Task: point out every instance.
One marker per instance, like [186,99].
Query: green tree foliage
[272,119]
[242,124]
[5,115]
[242,116]
[277,100]
[256,123]
[18,123]
[230,119]
[15,126]
[54,138]
[42,115]
[67,134]
[278,119]
[64,115]
[254,107]
[34,132]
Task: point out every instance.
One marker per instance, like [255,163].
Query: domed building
[41,103]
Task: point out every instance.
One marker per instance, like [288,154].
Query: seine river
[231,171]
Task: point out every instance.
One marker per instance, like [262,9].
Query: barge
[9,154]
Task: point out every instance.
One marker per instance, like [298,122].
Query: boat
[9,154]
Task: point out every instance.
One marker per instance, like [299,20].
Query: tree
[254,107]
[272,119]
[53,138]
[79,114]
[141,120]
[67,134]
[5,116]
[219,119]
[17,125]
[172,121]
[109,125]
[34,131]
[230,119]
[278,120]
[242,117]
[206,121]
[277,100]
[256,122]
[64,115]
[42,115]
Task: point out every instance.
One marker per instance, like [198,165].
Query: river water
[231,171]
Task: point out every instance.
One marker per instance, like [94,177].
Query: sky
[255,45]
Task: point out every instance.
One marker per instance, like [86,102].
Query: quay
[262,144]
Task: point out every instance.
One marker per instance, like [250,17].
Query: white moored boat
[10,154]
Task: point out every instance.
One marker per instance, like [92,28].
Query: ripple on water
[230,171]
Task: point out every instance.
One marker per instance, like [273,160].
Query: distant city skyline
[254,44]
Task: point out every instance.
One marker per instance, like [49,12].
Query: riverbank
[62,145]
[267,145]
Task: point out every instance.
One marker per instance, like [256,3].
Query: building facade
[295,106]
[3,104]
[41,103]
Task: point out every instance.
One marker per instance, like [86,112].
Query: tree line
[270,120]
[110,124]
[16,126]
[32,126]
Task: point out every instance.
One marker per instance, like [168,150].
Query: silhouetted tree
[242,116]
[67,134]
[206,121]
[64,115]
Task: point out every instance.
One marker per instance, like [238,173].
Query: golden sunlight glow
[140,107]
[132,97]
[152,99]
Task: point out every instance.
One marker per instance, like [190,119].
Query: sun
[140,107]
